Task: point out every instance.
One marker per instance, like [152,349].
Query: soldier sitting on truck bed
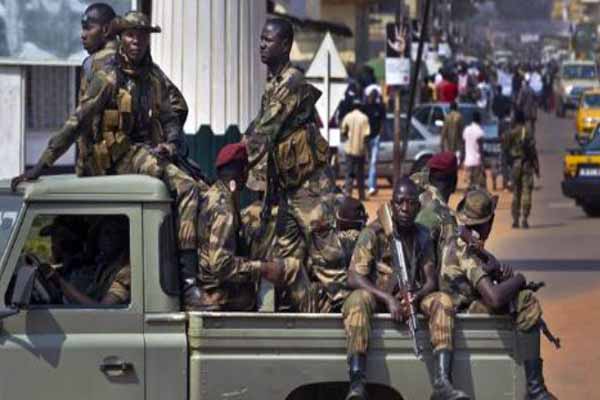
[373,276]
[229,281]
[478,283]
[111,284]
[126,114]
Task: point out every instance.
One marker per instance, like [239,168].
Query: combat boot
[188,259]
[515,224]
[525,224]
[442,384]
[357,370]
[536,387]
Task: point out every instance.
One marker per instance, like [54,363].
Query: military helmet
[477,207]
[133,20]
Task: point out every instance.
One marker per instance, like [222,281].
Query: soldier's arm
[430,273]
[170,116]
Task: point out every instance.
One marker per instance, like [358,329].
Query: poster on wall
[46,32]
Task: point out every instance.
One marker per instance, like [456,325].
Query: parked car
[574,78]
[422,144]
[588,115]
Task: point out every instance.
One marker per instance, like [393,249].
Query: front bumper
[582,188]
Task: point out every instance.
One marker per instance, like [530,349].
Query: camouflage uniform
[452,132]
[348,239]
[228,280]
[462,270]
[288,152]
[373,259]
[119,125]
[519,143]
[114,280]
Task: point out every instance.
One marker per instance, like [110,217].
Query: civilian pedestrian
[473,138]
[355,131]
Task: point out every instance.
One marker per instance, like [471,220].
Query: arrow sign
[328,74]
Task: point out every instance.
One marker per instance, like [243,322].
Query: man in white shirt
[355,130]
[473,162]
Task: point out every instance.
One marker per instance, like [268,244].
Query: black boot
[442,384]
[188,259]
[357,370]
[525,224]
[536,388]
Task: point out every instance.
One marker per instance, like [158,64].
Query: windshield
[579,72]
[591,100]
[10,205]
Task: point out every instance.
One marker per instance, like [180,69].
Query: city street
[561,248]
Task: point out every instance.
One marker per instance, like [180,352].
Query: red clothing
[447,91]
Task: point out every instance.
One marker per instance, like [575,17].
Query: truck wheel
[591,210]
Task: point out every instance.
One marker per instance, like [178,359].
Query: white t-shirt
[471,136]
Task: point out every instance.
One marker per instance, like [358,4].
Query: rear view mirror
[439,123]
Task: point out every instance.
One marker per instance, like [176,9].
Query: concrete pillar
[209,49]
[12,113]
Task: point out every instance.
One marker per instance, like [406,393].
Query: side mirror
[439,123]
[21,293]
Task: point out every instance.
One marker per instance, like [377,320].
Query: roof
[128,188]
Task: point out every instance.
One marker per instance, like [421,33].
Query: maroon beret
[444,162]
[230,153]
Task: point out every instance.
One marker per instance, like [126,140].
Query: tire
[591,210]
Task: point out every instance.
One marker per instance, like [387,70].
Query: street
[560,249]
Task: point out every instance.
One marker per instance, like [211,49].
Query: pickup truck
[149,349]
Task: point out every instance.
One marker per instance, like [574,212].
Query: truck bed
[303,356]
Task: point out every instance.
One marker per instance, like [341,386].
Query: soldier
[371,274]
[112,278]
[288,156]
[228,281]
[526,102]
[454,125]
[126,115]
[520,145]
[469,279]
[351,218]
[440,183]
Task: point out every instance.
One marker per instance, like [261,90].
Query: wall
[12,129]
[210,49]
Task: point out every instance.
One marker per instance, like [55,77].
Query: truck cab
[148,349]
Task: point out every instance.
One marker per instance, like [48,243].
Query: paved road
[562,248]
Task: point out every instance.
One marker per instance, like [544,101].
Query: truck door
[62,347]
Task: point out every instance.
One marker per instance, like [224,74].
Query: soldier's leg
[516,200]
[360,177]
[527,322]
[350,174]
[357,312]
[439,309]
[526,196]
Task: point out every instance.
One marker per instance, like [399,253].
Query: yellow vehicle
[582,175]
[588,115]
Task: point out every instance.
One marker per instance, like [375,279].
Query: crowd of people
[312,243]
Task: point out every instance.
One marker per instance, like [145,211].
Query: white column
[12,113]
[209,49]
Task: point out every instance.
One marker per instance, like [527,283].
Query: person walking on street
[375,110]
[452,130]
[473,138]
[520,145]
[526,102]
[355,130]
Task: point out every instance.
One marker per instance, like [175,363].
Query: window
[82,260]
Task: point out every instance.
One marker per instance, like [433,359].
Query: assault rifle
[476,245]
[401,270]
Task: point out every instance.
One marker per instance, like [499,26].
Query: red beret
[230,153]
[445,162]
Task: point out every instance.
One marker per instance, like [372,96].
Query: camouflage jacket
[114,280]
[437,217]
[373,256]
[519,143]
[258,245]
[227,280]
[461,271]
[147,118]
[452,132]
[348,239]
[287,106]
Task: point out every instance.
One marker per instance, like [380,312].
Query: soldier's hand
[506,271]
[273,271]
[29,175]
[395,308]
[163,150]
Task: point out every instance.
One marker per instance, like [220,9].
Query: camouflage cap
[477,207]
[133,20]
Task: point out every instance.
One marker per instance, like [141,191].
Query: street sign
[328,74]
[397,62]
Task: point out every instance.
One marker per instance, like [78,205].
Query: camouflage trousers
[522,191]
[528,310]
[138,160]
[361,305]
[476,177]
[309,220]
